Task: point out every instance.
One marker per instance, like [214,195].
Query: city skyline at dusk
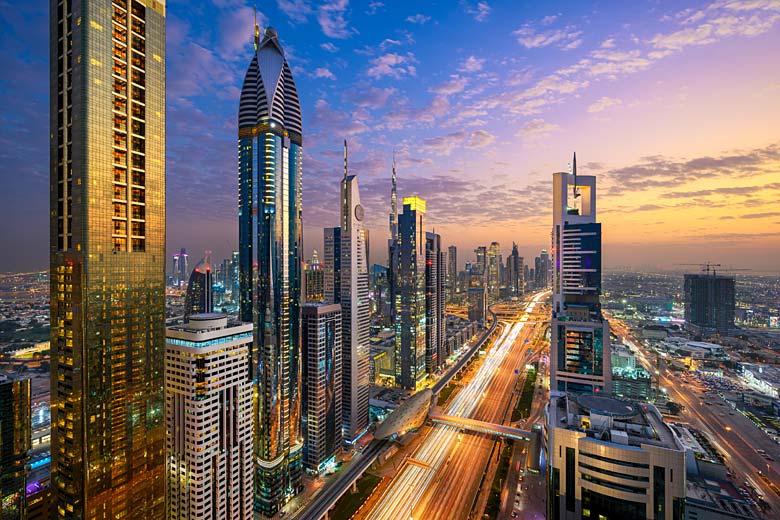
[670,106]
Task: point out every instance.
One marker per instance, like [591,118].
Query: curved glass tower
[270,256]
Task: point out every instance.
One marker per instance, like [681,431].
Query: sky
[672,105]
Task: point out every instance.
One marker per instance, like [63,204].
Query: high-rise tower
[107,257]
[435,318]
[208,415]
[579,347]
[200,292]
[355,310]
[410,296]
[270,239]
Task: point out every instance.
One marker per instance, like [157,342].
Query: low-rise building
[610,458]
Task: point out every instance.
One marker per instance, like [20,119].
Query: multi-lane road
[441,478]
[730,432]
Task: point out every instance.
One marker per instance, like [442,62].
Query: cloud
[418,19]
[371,97]
[337,123]
[373,7]
[566,38]
[296,10]
[328,46]
[480,139]
[537,129]
[548,20]
[664,173]
[472,64]
[323,72]
[453,86]
[718,21]
[480,12]
[767,214]
[603,103]
[444,144]
[330,16]
[393,65]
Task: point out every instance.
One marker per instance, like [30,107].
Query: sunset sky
[675,106]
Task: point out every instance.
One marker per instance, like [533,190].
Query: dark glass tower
[270,252]
[107,258]
[200,292]
[15,444]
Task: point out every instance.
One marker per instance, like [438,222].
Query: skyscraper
[107,258]
[355,310]
[270,239]
[209,419]
[15,444]
[435,319]
[452,272]
[479,267]
[199,298]
[410,295]
[180,267]
[515,272]
[579,347]
[321,394]
[314,279]
[493,263]
[392,247]
[331,278]
[545,266]
[709,303]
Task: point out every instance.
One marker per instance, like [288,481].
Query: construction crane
[708,267]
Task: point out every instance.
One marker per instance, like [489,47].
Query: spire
[345,158]
[574,170]
[257,31]
[393,205]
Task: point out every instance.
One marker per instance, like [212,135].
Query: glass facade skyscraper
[579,347]
[410,295]
[107,257]
[270,257]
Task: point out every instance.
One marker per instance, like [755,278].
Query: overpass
[484,427]
[533,437]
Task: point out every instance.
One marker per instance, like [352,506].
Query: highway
[733,435]
[323,501]
[444,467]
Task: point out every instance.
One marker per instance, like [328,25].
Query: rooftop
[610,419]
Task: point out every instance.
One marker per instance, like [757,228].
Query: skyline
[684,152]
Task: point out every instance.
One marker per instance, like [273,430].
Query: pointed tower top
[345,158]
[257,30]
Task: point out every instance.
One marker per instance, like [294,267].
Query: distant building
[381,289]
[313,277]
[180,267]
[331,279]
[611,457]
[515,273]
[199,298]
[435,318]
[208,419]
[579,346]
[321,396]
[493,274]
[633,383]
[709,303]
[410,296]
[452,273]
[477,300]
[15,444]
[480,266]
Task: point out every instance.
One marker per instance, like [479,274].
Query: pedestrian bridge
[484,427]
